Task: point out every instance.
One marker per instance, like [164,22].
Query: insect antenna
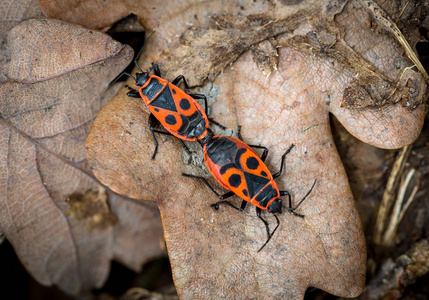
[302,200]
[129,75]
[135,62]
[140,52]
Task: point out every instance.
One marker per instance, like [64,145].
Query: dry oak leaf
[214,253]
[89,13]
[178,16]
[55,85]
[11,13]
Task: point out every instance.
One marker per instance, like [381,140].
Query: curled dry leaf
[323,48]
[12,13]
[63,225]
[391,126]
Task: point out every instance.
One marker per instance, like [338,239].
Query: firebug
[239,169]
[178,112]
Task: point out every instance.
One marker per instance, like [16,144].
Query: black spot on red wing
[170,120]
[234,180]
[252,163]
[174,91]
[156,109]
[245,193]
[184,104]
[264,174]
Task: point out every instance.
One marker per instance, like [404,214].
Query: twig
[410,199]
[399,211]
[389,192]
[397,83]
[402,11]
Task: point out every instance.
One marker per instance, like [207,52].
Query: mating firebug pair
[234,164]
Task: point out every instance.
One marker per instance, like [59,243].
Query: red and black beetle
[239,169]
[178,112]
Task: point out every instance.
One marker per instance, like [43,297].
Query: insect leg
[217,123]
[181,142]
[156,69]
[239,133]
[152,122]
[201,96]
[181,77]
[242,207]
[290,208]
[186,147]
[133,93]
[282,163]
[264,154]
[258,213]
[225,196]
[177,80]
[286,193]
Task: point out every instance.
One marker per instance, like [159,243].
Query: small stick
[389,192]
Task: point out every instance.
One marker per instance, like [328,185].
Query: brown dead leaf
[11,13]
[55,86]
[323,48]
[90,13]
[392,126]
[96,14]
